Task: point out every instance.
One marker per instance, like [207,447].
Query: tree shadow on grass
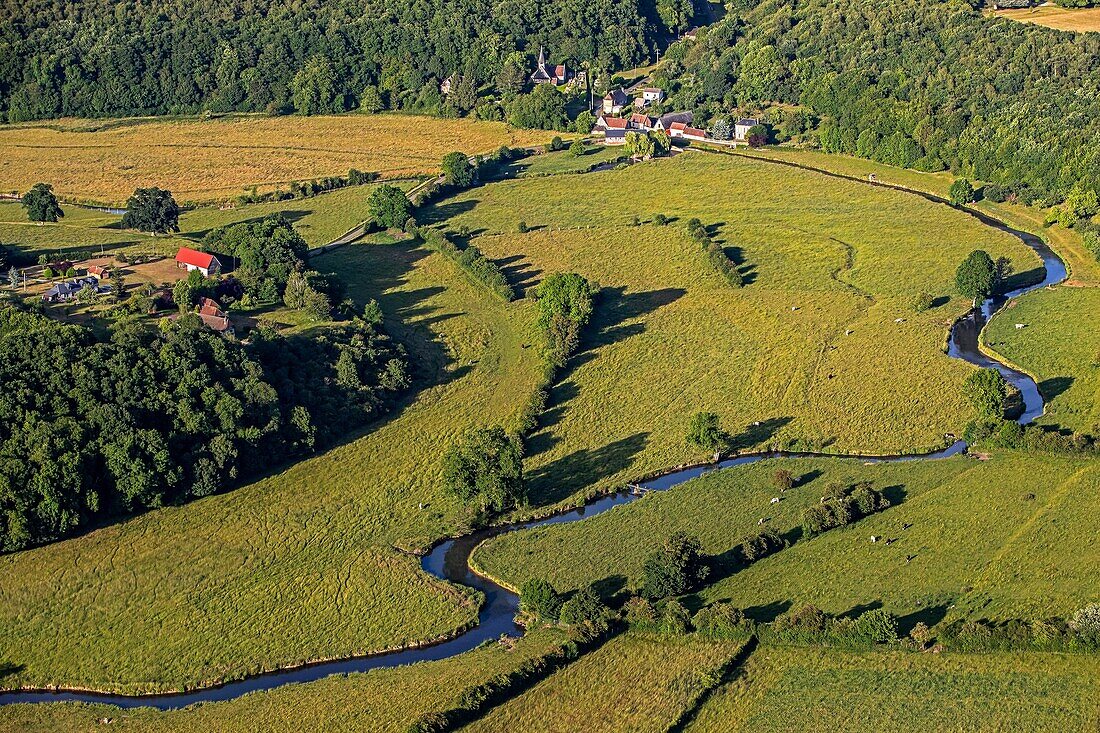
[441,212]
[929,615]
[614,307]
[759,433]
[1051,388]
[520,273]
[767,612]
[9,668]
[567,475]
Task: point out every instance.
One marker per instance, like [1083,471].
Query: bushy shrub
[674,568]
[842,505]
[472,261]
[675,619]
[722,620]
[759,545]
[538,598]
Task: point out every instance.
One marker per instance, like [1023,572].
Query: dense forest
[918,83]
[108,59]
[93,427]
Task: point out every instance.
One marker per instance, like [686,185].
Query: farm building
[214,317]
[204,262]
[665,121]
[615,137]
[611,123]
[100,272]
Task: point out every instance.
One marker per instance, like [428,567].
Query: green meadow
[634,682]
[563,161]
[386,700]
[301,565]
[86,233]
[963,538]
[817,690]
[1057,347]
[821,348]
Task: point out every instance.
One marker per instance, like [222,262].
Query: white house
[742,126]
[614,102]
[650,95]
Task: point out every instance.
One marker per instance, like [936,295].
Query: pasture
[548,164]
[385,700]
[966,537]
[820,350]
[216,159]
[1060,345]
[816,690]
[634,682]
[1066,242]
[300,565]
[1050,15]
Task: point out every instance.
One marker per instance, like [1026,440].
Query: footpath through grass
[822,347]
[1011,537]
[635,682]
[811,689]
[387,700]
[216,159]
[300,565]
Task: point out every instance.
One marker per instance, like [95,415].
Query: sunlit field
[1059,18]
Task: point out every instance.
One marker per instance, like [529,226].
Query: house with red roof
[211,313]
[639,121]
[204,262]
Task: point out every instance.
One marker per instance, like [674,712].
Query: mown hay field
[822,347]
[204,160]
[1059,344]
[986,538]
[381,701]
[300,565]
[634,682]
[1053,16]
[831,690]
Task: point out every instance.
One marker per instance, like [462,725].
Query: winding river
[450,559]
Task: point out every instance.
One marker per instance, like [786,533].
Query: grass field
[299,565]
[980,545]
[203,160]
[1053,16]
[1083,266]
[83,232]
[563,161]
[785,689]
[632,683]
[811,348]
[1060,345]
[380,701]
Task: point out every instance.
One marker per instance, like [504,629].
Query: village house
[615,136]
[614,101]
[447,85]
[638,121]
[691,35]
[604,123]
[741,128]
[554,75]
[68,290]
[99,272]
[665,121]
[214,317]
[649,97]
[681,130]
[204,262]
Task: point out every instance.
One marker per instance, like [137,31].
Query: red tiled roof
[210,307]
[639,119]
[695,131]
[678,126]
[614,123]
[194,258]
[559,71]
[216,323]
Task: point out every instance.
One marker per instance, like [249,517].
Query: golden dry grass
[202,160]
[1052,16]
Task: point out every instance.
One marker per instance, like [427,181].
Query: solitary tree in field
[961,192]
[674,568]
[457,170]
[577,148]
[976,277]
[41,203]
[706,433]
[485,468]
[987,390]
[388,206]
[152,210]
